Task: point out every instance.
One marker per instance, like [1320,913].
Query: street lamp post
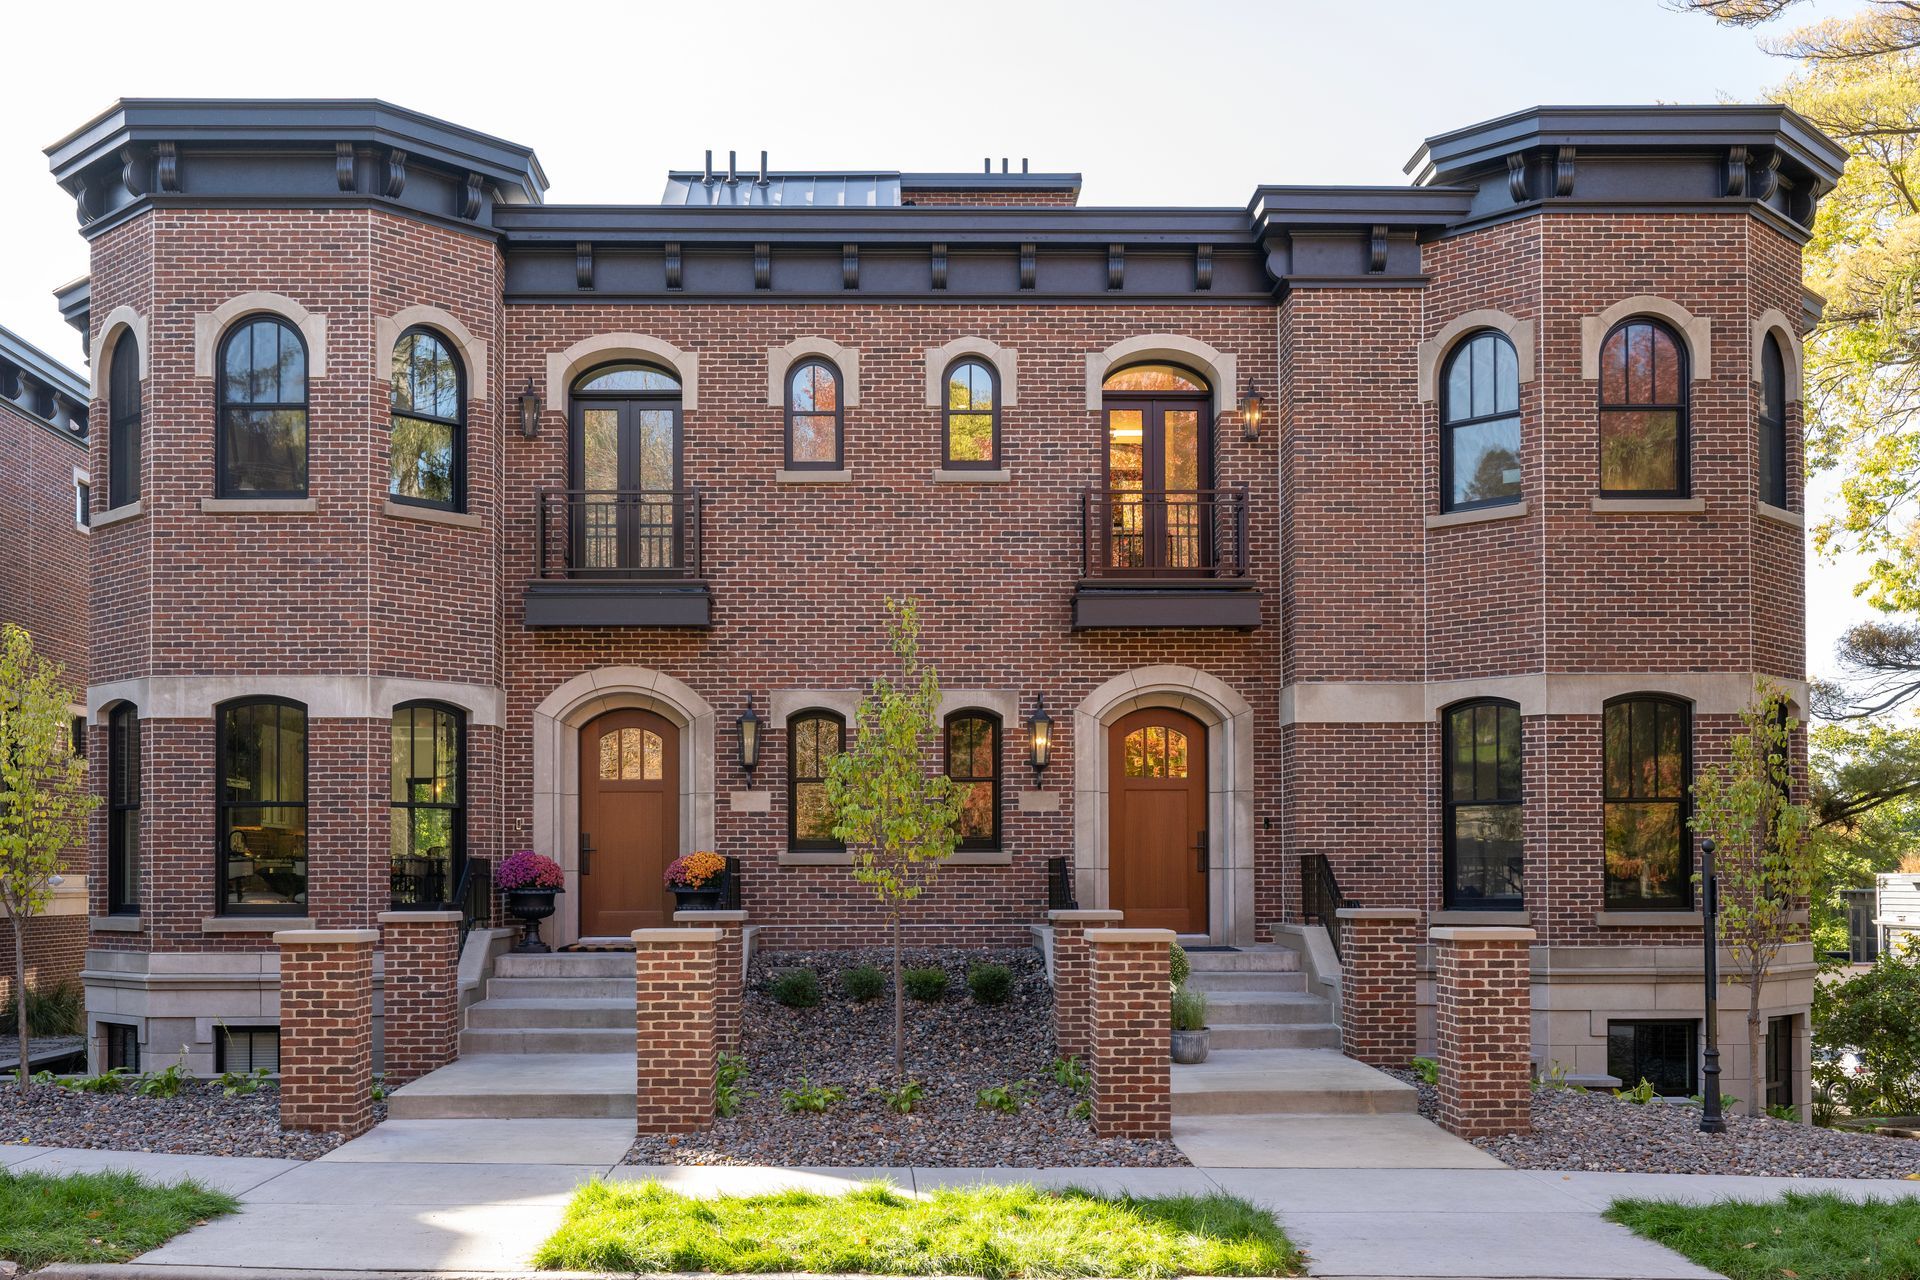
[1711,1121]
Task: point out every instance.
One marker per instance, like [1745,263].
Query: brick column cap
[717,917]
[1481,933]
[673,937]
[1121,937]
[325,937]
[420,917]
[1377,913]
[1088,915]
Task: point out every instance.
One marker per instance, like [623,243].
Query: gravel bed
[199,1121]
[1594,1131]
[955,1047]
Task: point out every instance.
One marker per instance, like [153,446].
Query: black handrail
[1060,886]
[1163,533]
[1320,896]
[619,533]
[730,885]
[473,897]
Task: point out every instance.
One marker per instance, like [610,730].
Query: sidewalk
[473,1197]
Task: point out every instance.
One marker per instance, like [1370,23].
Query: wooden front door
[1157,842]
[629,822]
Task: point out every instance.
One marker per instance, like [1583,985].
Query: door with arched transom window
[629,821]
[1157,823]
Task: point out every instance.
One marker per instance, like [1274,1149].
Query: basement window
[245,1049]
[1662,1052]
[121,1046]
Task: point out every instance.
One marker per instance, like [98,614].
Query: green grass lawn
[96,1217]
[988,1231]
[1811,1237]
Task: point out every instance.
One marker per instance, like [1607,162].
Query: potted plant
[1191,1039]
[530,880]
[695,879]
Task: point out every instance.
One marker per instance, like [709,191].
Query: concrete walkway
[477,1197]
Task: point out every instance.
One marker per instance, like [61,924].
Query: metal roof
[784,190]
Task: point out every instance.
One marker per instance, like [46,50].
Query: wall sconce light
[749,726]
[1040,737]
[530,411]
[1251,410]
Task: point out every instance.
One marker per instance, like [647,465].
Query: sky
[1154,103]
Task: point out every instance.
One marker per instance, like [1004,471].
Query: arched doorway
[1159,470]
[1159,851]
[627,505]
[629,821]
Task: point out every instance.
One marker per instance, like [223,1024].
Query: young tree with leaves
[43,798]
[896,812]
[1764,860]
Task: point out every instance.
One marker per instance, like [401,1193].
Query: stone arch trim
[782,359]
[605,348]
[1005,361]
[1433,352]
[1774,321]
[1220,368]
[1230,783]
[209,326]
[1695,331]
[556,764]
[473,351]
[120,321]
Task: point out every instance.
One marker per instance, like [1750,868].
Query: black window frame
[948,413]
[123,809]
[1684,803]
[223,808]
[1450,803]
[123,422]
[1778,1061]
[1688,1028]
[119,1046]
[223,1039]
[1449,425]
[82,502]
[839,414]
[1771,423]
[457,854]
[795,780]
[223,485]
[1682,433]
[457,424]
[989,843]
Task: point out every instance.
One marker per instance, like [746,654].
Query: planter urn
[1191,1047]
[707,899]
[530,907]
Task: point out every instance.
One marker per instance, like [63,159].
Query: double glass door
[627,463]
[1157,485]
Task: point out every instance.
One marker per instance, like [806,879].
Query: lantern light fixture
[1040,737]
[749,727]
[530,411]
[1251,411]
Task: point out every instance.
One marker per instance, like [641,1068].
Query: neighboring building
[1436,531]
[43,587]
[1896,918]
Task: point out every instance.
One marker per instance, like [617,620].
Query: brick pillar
[1072,971]
[1483,1020]
[420,992]
[1131,1030]
[326,1029]
[673,1018]
[729,971]
[1376,984]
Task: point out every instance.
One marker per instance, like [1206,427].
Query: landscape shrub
[990,983]
[1179,966]
[863,983]
[797,988]
[928,983]
[1875,1015]
[58,1010]
[1189,1010]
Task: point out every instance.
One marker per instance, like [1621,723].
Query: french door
[1159,474]
[626,464]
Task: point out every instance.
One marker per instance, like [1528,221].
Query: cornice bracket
[849,266]
[673,265]
[1116,267]
[133,177]
[470,197]
[1377,250]
[1563,172]
[1517,177]
[1738,158]
[166,167]
[396,173]
[1766,175]
[583,264]
[343,174]
[940,266]
[763,265]
[1027,266]
[1203,266]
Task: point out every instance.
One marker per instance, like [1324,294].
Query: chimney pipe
[1003,164]
[763,169]
[733,169]
[987,165]
[708,180]
[1023,164]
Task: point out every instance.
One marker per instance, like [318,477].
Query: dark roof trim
[17,350]
[75,298]
[1277,208]
[526,224]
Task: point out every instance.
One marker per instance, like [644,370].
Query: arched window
[428,427]
[814,417]
[1773,423]
[261,802]
[814,738]
[123,422]
[123,810]
[1480,424]
[1648,768]
[973,763]
[972,415]
[1484,847]
[262,441]
[427,805]
[1643,411]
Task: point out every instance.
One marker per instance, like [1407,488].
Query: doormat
[1190,950]
[610,945]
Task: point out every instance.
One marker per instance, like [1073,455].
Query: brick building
[43,582]
[1419,539]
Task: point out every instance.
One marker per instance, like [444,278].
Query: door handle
[586,853]
[1201,852]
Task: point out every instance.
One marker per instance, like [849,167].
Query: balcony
[1164,558]
[619,558]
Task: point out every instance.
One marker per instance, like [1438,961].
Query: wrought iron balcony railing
[1163,533]
[619,533]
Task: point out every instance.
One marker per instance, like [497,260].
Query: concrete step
[561,988]
[566,964]
[521,1086]
[1311,1035]
[1266,1007]
[1265,958]
[1286,1082]
[546,1040]
[610,1012]
[1214,980]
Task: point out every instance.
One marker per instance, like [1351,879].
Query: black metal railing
[418,883]
[1163,533]
[1320,896]
[619,533]
[730,885]
[473,897]
[1060,886]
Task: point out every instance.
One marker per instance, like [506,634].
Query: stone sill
[430,515]
[254,924]
[828,858]
[1649,506]
[1492,919]
[972,475]
[117,515]
[1780,515]
[1479,515]
[1647,919]
[788,475]
[259,506]
[114,924]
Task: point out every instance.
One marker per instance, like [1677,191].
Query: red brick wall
[326,1034]
[674,1025]
[1129,1025]
[1008,199]
[1376,987]
[1483,1023]
[420,992]
[56,946]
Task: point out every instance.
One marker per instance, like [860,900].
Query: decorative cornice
[849,266]
[583,264]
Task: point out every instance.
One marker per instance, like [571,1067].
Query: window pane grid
[813,740]
[1480,424]
[1645,774]
[1643,411]
[1484,834]
[426,806]
[123,811]
[973,763]
[262,811]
